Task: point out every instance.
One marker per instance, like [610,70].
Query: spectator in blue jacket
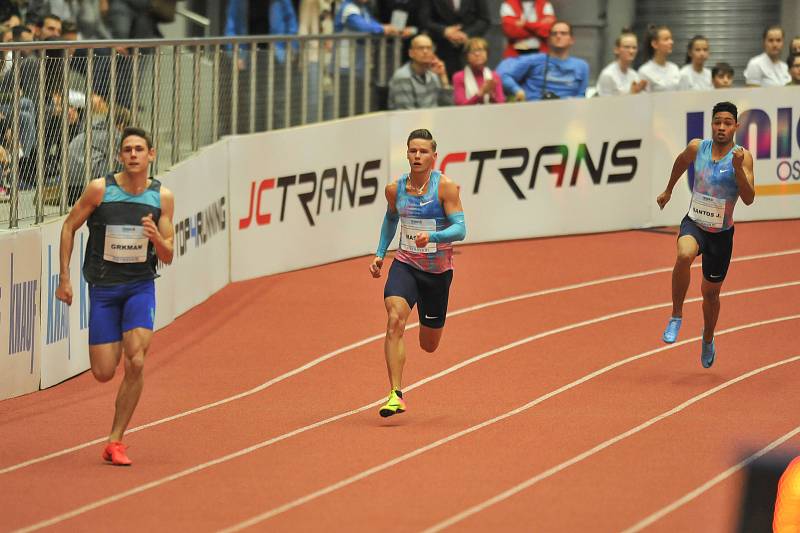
[355,16]
[547,75]
[282,21]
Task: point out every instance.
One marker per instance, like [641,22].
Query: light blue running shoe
[708,353]
[672,329]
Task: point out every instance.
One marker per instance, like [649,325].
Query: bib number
[707,210]
[125,244]
[409,227]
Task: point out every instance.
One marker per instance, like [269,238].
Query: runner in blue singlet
[723,174]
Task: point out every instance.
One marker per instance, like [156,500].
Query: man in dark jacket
[450,23]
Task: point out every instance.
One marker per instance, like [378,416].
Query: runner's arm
[743,168]
[682,162]
[390,219]
[451,201]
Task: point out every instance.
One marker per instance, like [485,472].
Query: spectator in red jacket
[526,24]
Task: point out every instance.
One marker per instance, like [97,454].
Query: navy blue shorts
[119,308]
[431,291]
[716,249]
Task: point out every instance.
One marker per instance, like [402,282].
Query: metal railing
[64,104]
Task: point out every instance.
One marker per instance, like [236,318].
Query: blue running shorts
[716,249]
[431,291]
[119,308]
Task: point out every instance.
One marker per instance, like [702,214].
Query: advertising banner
[769,127]
[64,329]
[541,168]
[20,342]
[201,263]
[306,196]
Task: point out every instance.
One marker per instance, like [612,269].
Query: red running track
[554,407]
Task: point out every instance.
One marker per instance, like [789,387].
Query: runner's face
[134,154]
[421,156]
[723,125]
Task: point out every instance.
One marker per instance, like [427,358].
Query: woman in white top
[619,77]
[767,69]
[694,75]
[661,75]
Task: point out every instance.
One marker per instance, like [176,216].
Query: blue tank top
[117,251]
[715,191]
[422,213]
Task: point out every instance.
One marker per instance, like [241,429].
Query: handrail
[197,41]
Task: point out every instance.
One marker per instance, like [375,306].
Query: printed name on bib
[707,210]
[125,244]
[409,227]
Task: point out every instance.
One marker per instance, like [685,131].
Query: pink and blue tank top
[715,191]
[422,213]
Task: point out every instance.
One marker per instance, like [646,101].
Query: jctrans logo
[614,164]
[330,190]
[780,131]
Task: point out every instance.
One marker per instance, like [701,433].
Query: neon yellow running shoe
[393,405]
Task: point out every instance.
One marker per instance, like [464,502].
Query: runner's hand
[738,158]
[663,198]
[375,267]
[64,291]
[422,239]
[150,229]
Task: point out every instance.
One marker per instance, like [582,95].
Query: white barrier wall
[544,168]
[201,264]
[64,329]
[769,127]
[20,278]
[307,196]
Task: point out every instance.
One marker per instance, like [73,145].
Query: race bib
[125,244]
[409,227]
[707,210]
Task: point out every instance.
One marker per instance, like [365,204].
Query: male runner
[723,173]
[428,205]
[130,226]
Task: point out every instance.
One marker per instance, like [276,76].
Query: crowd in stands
[68,20]
[445,56]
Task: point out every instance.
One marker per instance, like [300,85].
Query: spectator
[135,19]
[315,17]
[794,68]
[402,15]
[526,24]
[547,76]
[69,31]
[661,74]
[722,76]
[423,81]
[767,69]
[282,21]
[477,84]
[100,159]
[49,27]
[450,23]
[619,77]
[354,16]
[794,48]
[8,10]
[694,75]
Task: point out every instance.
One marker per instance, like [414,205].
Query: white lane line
[600,447]
[269,442]
[419,451]
[367,340]
[661,513]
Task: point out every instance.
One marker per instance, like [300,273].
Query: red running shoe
[114,452]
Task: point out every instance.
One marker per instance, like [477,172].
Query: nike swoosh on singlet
[425,203]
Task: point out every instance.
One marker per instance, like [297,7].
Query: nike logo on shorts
[713,276]
[431,317]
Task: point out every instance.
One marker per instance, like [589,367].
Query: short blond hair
[475,42]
